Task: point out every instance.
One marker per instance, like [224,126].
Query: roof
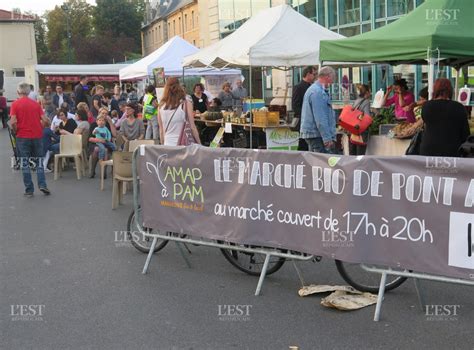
[275,37]
[444,25]
[163,8]
[8,16]
[79,69]
[169,57]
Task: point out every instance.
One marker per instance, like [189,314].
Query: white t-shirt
[175,126]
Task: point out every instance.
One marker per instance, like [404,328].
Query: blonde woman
[175,107]
[226,96]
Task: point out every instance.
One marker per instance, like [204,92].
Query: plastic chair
[134,144]
[85,144]
[122,174]
[70,146]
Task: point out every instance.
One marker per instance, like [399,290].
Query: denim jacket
[317,116]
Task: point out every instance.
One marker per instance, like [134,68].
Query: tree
[102,49]
[120,18]
[79,14]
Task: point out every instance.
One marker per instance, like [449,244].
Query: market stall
[169,57]
[277,37]
[438,41]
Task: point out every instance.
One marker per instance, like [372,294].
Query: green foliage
[102,34]
[386,116]
[120,18]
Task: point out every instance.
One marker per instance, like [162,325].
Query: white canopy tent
[276,37]
[169,56]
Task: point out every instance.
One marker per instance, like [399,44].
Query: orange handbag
[353,120]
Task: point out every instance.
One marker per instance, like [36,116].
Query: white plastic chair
[70,146]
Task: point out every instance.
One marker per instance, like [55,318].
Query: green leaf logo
[332,161]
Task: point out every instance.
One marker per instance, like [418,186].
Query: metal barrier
[416,276]
[268,252]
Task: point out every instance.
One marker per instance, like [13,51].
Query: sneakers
[45,191]
[28,194]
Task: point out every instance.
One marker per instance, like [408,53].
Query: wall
[17,46]
[154,36]
[17,50]
[185,23]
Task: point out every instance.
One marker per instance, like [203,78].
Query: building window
[365,10]
[234,13]
[380,8]
[179,24]
[159,33]
[349,11]
[192,19]
[186,22]
[350,31]
[399,7]
[18,72]
[174,27]
[332,11]
[306,8]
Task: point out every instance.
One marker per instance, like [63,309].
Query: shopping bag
[186,137]
[353,120]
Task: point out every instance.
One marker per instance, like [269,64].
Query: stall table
[385,146]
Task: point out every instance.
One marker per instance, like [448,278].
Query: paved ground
[60,252]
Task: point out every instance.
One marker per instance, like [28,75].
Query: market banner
[404,212]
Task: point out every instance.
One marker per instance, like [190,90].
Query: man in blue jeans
[318,121]
[27,122]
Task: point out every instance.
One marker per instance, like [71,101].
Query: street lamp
[65,8]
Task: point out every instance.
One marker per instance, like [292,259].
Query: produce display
[406,130]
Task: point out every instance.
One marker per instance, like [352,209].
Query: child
[102,133]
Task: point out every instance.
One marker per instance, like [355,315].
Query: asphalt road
[84,290]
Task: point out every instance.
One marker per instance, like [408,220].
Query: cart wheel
[139,240]
[251,263]
[366,281]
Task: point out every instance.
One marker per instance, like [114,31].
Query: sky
[36,6]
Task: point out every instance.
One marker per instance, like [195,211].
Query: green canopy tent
[437,31]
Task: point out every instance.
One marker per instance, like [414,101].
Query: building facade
[353,17]
[165,20]
[17,48]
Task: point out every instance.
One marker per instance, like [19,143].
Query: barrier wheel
[139,240]
[366,281]
[251,263]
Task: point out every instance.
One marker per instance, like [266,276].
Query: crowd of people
[444,121]
[111,119]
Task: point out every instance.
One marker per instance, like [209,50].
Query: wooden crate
[273,118]
[261,118]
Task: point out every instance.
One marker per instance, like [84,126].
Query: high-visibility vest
[149,111]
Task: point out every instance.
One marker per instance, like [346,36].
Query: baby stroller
[16,164]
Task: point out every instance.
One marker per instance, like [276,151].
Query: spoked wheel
[251,263]
[139,240]
[366,281]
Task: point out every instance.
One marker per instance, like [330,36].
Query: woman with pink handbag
[176,117]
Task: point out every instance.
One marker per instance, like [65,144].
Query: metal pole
[262,274]
[378,307]
[250,107]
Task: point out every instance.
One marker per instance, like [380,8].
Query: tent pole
[431,67]
[456,88]
[250,107]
